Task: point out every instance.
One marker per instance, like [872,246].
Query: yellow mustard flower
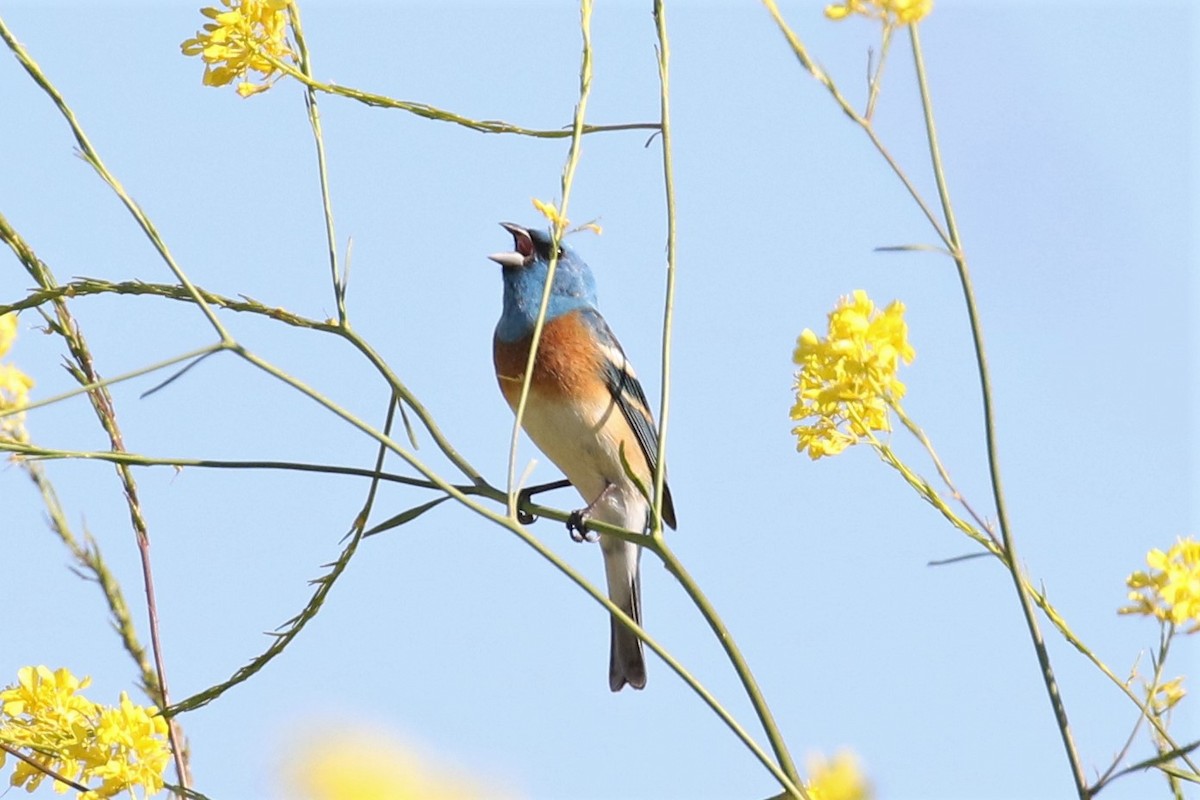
[113,750]
[891,12]
[550,211]
[14,393]
[1170,589]
[847,380]
[14,386]
[373,765]
[8,331]
[1162,698]
[239,40]
[837,778]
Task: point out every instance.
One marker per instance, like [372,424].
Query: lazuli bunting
[585,408]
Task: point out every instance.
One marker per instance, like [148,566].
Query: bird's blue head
[525,271]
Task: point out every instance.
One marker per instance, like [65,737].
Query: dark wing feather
[627,392]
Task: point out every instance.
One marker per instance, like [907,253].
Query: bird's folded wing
[627,393]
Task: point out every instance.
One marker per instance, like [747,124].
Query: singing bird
[585,411]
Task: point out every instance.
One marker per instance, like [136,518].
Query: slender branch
[34,452]
[673,564]
[931,495]
[822,76]
[664,407]
[314,121]
[42,768]
[1159,663]
[101,383]
[509,522]
[295,625]
[92,157]
[1010,554]
[568,177]
[741,667]
[875,79]
[440,115]
[923,438]
[89,286]
[1159,761]
[91,566]
[83,369]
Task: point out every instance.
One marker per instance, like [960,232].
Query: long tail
[626,661]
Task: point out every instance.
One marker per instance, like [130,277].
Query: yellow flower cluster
[1170,589]
[239,40]
[14,385]
[891,12]
[550,211]
[373,765]
[110,749]
[837,778]
[1165,696]
[847,380]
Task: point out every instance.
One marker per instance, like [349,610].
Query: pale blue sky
[1068,131]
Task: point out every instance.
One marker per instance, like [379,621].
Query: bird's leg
[526,495]
[577,522]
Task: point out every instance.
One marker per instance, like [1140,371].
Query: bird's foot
[524,497]
[577,527]
[577,522]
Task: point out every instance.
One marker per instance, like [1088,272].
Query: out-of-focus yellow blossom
[238,41]
[372,765]
[1163,698]
[837,778]
[1170,589]
[891,12]
[551,212]
[112,750]
[8,331]
[14,386]
[847,379]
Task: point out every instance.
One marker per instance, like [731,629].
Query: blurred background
[1068,133]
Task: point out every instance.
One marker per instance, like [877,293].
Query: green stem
[806,61]
[92,157]
[89,286]
[92,386]
[664,407]
[82,367]
[13,751]
[740,666]
[1011,560]
[875,79]
[568,177]
[314,121]
[669,559]
[440,115]
[508,521]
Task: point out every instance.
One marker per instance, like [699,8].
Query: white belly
[578,442]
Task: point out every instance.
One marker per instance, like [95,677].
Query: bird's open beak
[522,244]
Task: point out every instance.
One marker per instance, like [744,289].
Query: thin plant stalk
[761,708]
[314,121]
[985,386]
[559,224]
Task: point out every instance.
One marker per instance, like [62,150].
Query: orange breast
[567,363]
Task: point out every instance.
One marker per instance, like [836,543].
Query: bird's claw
[524,497]
[577,527]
